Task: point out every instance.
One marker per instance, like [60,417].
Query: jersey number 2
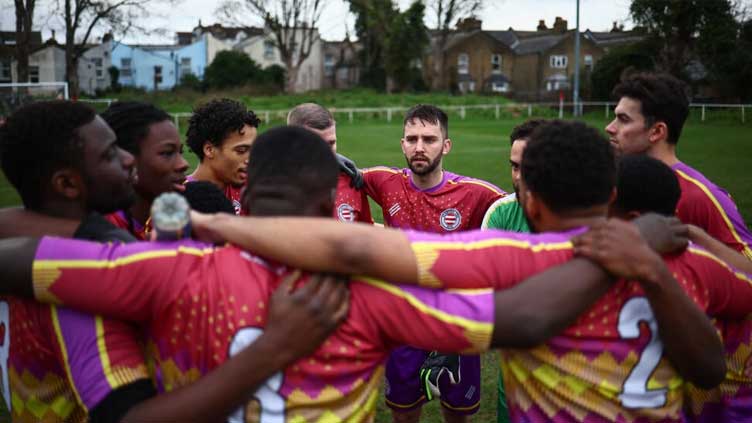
[271,403]
[635,392]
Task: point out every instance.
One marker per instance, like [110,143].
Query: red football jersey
[130,225]
[457,203]
[710,207]
[607,366]
[201,304]
[56,363]
[351,205]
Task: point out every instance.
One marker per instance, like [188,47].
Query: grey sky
[498,14]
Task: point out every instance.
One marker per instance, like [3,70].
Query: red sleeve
[728,291]
[486,259]
[457,321]
[374,177]
[365,209]
[131,282]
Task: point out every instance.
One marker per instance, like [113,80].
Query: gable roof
[611,38]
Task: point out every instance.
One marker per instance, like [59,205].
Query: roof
[507,37]
[9,37]
[614,37]
[227,32]
[539,44]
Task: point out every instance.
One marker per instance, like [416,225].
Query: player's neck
[63,209]
[428,181]
[205,173]
[141,210]
[559,222]
[664,152]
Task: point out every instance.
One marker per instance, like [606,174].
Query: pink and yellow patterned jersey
[607,366]
[351,205]
[710,207]
[60,363]
[121,220]
[458,203]
[202,303]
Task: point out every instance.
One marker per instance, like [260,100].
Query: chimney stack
[541,25]
[560,25]
[469,24]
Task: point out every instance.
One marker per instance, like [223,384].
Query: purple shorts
[403,383]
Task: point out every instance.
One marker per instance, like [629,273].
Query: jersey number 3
[271,403]
[635,392]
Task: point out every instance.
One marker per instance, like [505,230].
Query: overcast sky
[498,14]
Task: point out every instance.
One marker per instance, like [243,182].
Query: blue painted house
[159,67]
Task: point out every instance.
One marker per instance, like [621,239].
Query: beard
[424,170]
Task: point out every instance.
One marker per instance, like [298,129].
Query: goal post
[15,94]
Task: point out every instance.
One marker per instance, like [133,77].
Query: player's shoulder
[476,184]
[382,170]
[693,183]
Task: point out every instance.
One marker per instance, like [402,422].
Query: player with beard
[150,136]
[351,204]
[428,198]
[220,134]
[649,118]
[506,213]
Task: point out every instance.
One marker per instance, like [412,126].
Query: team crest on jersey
[346,213]
[450,219]
[237,206]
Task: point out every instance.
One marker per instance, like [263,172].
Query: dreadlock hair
[37,140]
[569,165]
[214,121]
[430,114]
[131,120]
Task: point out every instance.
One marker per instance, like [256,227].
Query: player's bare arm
[16,259]
[700,360]
[719,249]
[299,321]
[316,244]
[17,221]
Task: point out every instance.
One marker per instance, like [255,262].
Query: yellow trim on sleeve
[483,184]
[104,357]
[739,275]
[42,264]
[747,251]
[381,169]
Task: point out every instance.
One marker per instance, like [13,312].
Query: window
[495,63]
[33,73]
[500,87]
[185,65]
[463,63]
[269,50]
[125,68]
[328,64]
[157,74]
[589,62]
[98,68]
[558,61]
[5,75]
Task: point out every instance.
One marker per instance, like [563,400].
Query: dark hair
[569,165]
[662,98]
[311,115]
[430,114]
[523,130]
[645,184]
[214,121]
[205,197]
[289,168]
[131,120]
[39,139]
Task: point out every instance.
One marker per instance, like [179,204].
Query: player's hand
[436,366]
[663,234]
[348,166]
[618,247]
[203,225]
[301,319]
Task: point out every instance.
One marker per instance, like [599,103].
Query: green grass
[720,148]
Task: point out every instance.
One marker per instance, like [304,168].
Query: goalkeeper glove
[433,368]
[348,166]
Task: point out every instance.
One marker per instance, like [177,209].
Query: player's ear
[657,132]
[447,146]
[68,183]
[209,150]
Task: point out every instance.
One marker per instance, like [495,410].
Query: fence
[705,112]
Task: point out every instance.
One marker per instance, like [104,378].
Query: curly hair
[523,130]
[645,184]
[37,140]
[662,98]
[569,165]
[131,120]
[214,121]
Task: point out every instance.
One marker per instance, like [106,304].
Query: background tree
[609,70]
[24,23]
[292,22]
[85,17]
[447,13]
[231,68]
[406,42]
[373,19]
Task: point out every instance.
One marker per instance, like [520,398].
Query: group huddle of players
[602,306]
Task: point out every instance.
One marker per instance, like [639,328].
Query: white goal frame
[63,84]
